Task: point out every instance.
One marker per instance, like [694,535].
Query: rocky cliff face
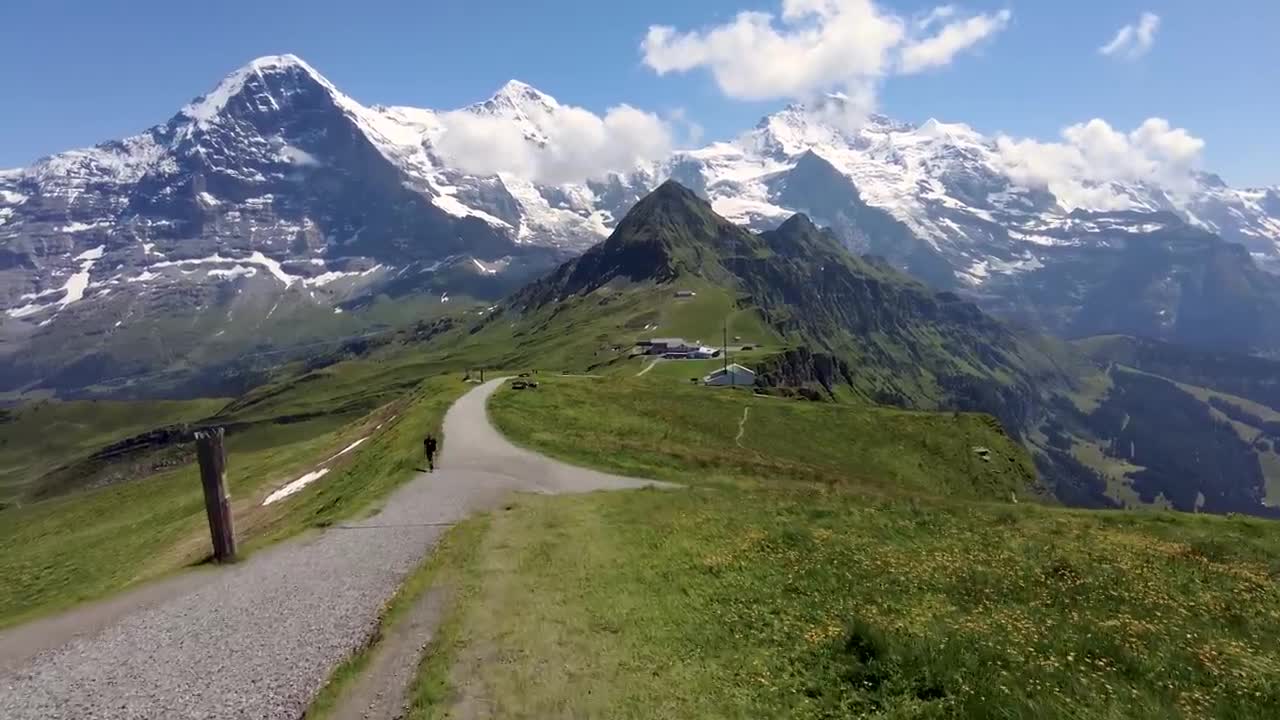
[1164,280]
[801,368]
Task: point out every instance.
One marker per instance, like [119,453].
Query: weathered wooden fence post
[213,476]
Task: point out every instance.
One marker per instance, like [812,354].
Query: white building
[734,375]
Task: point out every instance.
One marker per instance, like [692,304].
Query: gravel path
[260,639]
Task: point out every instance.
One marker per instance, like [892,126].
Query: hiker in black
[429,446]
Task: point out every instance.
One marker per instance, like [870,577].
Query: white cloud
[1093,154]
[578,143]
[942,12]
[693,131]
[941,49]
[817,46]
[1134,40]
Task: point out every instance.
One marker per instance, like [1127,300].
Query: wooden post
[213,476]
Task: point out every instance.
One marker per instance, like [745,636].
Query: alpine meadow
[322,407]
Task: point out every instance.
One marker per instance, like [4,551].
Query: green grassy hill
[846,329]
[844,561]
[863,556]
[653,427]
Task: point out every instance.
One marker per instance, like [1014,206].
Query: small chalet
[733,376]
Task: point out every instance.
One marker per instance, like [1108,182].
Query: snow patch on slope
[255,258]
[72,290]
[234,272]
[333,276]
[295,486]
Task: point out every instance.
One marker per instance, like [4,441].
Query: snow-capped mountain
[270,201]
[949,185]
[276,210]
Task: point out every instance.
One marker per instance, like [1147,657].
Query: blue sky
[81,72]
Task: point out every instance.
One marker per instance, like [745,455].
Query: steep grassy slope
[37,438]
[794,293]
[1246,376]
[597,331]
[84,544]
[163,350]
[1176,427]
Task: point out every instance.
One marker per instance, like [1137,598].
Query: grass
[1268,461]
[1114,471]
[36,438]
[653,428]
[867,581]
[702,317]
[454,566]
[597,332]
[81,546]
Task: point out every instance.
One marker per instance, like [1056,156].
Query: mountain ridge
[855,329]
[276,194]
[908,344]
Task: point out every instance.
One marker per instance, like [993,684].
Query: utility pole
[217,503]
[725,351]
[724,347]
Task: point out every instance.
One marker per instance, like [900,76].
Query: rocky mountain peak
[518,91]
[799,237]
[268,84]
[671,205]
[517,99]
[523,105]
[1271,201]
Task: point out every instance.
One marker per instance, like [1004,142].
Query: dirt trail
[649,367]
[742,426]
